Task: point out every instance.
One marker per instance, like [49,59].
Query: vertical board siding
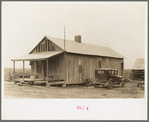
[58,66]
[46,45]
[91,68]
[89,65]
[71,70]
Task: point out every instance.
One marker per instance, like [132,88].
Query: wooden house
[71,62]
[138,69]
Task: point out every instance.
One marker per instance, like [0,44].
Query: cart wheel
[110,86]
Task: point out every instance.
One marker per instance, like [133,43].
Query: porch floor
[40,81]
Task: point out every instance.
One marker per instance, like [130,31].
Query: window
[101,72]
[116,72]
[80,69]
[99,64]
[113,72]
[109,72]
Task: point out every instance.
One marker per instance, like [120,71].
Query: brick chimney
[78,38]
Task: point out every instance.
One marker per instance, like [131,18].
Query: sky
[121,26]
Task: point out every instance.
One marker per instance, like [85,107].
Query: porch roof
[37,56]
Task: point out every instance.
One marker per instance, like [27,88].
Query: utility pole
[64,37]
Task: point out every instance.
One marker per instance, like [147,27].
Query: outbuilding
[138,69]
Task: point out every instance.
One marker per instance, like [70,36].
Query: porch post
[23,71]
[42,70]
[47,73]
[34,69]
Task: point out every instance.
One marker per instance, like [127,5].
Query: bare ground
[12,91]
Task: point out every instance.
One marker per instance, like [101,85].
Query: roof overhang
[37,56]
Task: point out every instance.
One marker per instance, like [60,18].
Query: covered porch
[40,71]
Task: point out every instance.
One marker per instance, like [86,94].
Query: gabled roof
[139,64]
[83,48]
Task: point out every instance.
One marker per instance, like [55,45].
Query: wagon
[108,77]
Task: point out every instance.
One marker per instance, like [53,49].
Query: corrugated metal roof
[83,48]
[139,64]
[37,56]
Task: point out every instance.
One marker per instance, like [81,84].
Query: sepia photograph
[85,55]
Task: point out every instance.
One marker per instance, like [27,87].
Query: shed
[138,69]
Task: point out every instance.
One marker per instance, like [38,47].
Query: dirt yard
[12,91]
